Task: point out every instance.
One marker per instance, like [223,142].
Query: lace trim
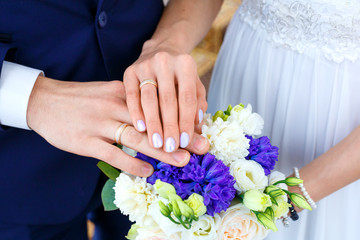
[297,25]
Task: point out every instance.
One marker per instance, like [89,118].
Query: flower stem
[184,224]
[171,219]
[278,182]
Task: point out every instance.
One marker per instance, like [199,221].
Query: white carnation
[133,196]
[227,140]
[248,175]
[252,123]
[203,229]
[155,233]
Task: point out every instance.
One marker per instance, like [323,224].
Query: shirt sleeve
[16,84]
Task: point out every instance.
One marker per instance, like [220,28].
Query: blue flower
[263,153]
[204,175]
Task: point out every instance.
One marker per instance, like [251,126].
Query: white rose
[166,225]
[239,223]
[203,229]
[252,123]
[133,196]
[227,140]
[248,175]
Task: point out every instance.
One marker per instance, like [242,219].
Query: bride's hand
[170,111]
[82,118]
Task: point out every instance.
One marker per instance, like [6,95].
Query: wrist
[172,39]
[40,92]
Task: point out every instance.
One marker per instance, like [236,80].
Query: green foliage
[108,170]
[108,196]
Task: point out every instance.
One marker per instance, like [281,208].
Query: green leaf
[108,170]
[108,196]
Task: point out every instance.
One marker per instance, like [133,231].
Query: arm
[183,25]
[334,169]
[165,58]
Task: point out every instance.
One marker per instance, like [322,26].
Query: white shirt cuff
[16,84]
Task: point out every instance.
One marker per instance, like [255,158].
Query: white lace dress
[298,63]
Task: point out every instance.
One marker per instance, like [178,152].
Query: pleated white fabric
[309,104]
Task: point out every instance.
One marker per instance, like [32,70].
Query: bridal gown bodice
[297,62]
[333,26]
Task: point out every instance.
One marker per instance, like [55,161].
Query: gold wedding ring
[148,81]
[120,131]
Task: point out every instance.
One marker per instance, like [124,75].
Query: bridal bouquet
[230,192]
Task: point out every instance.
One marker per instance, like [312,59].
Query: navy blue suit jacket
[81,40]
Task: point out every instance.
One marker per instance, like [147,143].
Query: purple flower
[263,152]
[204,174]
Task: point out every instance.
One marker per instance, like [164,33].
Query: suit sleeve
[16,84]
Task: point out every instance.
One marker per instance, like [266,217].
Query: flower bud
[299,201]
[132,234]
[266,220]
[282,208]
[164,209]
[238,107]
[185,209]
[257,201]
[269,211]
[218,114]
[164,189]
[293,181]
[274,191]
[196,202]
[176,209]
[174,197]
[228,110]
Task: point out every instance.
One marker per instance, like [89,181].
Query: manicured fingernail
[140,125]
[157,141]
[201,115]
[147,170]
[170,144]
[180,156]
[184,140]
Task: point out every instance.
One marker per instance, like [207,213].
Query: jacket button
[102,19]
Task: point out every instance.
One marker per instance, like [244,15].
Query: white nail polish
[201,115]
[141,125]
[157,141]
[170,144]
[184,140]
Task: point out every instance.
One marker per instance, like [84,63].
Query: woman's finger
[168,102]
[150,106]
[133,101]
[186,75]
[201,105]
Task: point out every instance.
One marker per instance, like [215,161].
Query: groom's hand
[82,118]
